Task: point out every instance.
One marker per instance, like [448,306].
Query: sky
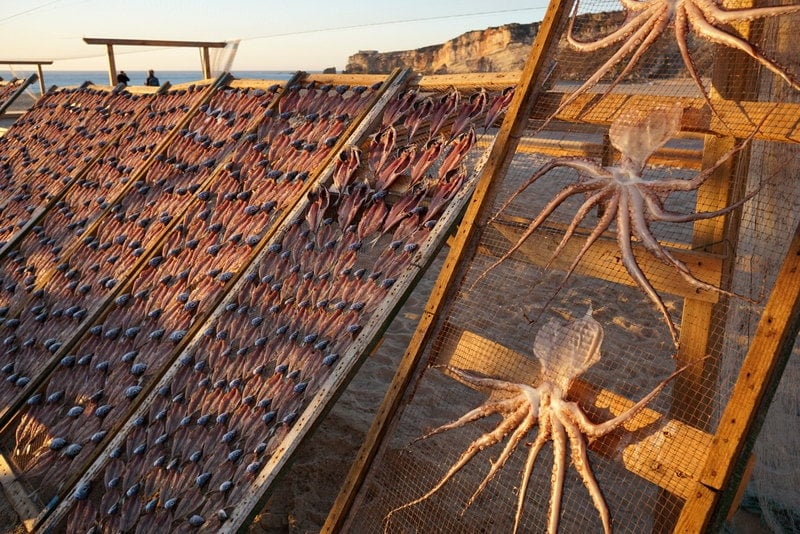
[295,35]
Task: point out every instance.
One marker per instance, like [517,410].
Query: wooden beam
[464,243]
[36,62]
[26,62]
[17,496]
[41,79]
[205,63]
[741,117]
[154,42]
[604,261]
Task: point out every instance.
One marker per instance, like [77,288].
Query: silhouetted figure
[151,79]
[123,78]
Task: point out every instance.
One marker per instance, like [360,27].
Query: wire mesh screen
[592,238]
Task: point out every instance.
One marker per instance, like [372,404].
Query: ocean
[68,78]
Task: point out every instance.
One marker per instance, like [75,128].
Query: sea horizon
[70,78]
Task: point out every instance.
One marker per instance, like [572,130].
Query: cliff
[505,48]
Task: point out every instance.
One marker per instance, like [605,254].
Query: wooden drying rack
[705,490]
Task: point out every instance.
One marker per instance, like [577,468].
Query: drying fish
[394,169]
[347,164]
[381,149]
[457,151]
[470,110]
[443,110]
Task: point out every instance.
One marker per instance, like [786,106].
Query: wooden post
[41,78]
[112,65]
[205,62]
[515,122]
[733,78]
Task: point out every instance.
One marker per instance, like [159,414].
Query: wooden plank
[26,61]
[153,42]
[17,496]
[756,384]
[656,456]
[346,79]
[604,261]
[741,116]
[112,65]
[490,81]
[463,245]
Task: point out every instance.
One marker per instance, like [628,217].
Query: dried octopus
[628,198]
[646,20]
[565,352]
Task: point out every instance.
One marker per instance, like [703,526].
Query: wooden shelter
[36,62]
[204,46]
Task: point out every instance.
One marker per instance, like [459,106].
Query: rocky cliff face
[505,48]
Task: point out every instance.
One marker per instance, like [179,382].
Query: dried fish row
[195,263]
[8,89]
[135,327]
[218,416]
[59,162]
[89,196]
[45,316]
[51,119]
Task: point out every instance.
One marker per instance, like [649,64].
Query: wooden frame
[36,62]
[708,488]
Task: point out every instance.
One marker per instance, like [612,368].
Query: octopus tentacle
[632,45]
[602,225]
[621,33]
[557,476]
[715,35]
[634,5]
[629,261]
[565,193]
[484,410]
[581,166]
[522,425]
[598,430]
[652,245]
[658,213]
[713,12]
[542,437]
[486,440]
[659,24]
[581,462]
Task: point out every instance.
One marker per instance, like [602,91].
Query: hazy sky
[293,35]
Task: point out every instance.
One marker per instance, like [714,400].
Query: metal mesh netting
[645,468]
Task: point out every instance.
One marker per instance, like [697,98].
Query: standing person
[123,78]
[151,79]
